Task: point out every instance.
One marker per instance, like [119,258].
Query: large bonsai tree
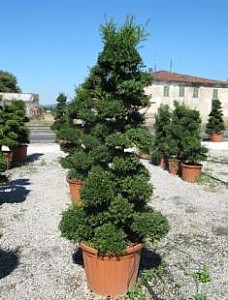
[114,214]
[215,121]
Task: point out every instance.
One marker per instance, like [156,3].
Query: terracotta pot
[111,276]
[75,188]
[190,173]
[8,158]
[216,137]
[19,153]
[174,166]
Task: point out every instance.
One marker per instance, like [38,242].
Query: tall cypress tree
[114,214]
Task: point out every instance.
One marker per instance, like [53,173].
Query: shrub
[215,122]
[114,214]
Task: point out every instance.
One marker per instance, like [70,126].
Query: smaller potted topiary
[192,152]
[144,141]
[16,130]
[79,164]
[215,125]
[162,134]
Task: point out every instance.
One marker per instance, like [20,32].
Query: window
[181,91]
[166,91]
[195,92]
[215,94]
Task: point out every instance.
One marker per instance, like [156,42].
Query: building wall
[30,100]
[202,103]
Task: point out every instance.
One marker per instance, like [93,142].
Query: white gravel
[30,210]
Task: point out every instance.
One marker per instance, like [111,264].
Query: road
[41,134]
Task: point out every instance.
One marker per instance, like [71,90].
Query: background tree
[8,83]
[60,112]
[215,122]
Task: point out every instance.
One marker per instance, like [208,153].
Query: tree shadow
[29,159]
[9,261]
[33,157]
[77,257]
[14,191]
[149,260]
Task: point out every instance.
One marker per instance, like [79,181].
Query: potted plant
[215,125]
[192,152]
[60,117]
[162,123]
[8,133]
[144,141]
[114,221]
[20,149]
[79,164]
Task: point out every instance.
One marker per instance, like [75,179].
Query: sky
[49,45]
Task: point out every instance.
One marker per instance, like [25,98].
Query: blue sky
[49,45]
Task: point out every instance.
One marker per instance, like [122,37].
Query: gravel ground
[36,263]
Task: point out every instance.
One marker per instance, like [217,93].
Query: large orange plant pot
[75,188]
[190,173]
[216,137]
[111,276]
[20,153]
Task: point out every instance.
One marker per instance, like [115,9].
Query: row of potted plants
[14,133]
[103,124]
[177,140]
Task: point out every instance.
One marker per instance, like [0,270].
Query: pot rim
[128,251]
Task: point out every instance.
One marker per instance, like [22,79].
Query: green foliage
[60,112]
[13,121]
[162,123]
[203,275]
[150,223]
[109,239]
[190,149]
[177,134]
[137,292]
[215,122]
[141,138]
[3,164]
[106,114]
[8,83]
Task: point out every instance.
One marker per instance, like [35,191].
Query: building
[196,92]
[33,109]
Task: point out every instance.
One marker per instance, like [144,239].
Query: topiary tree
[162,124]
[188,123]
[60,112]
[8,83]
[114,214]
[215,122]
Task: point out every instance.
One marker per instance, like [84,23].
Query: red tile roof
[175,77]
